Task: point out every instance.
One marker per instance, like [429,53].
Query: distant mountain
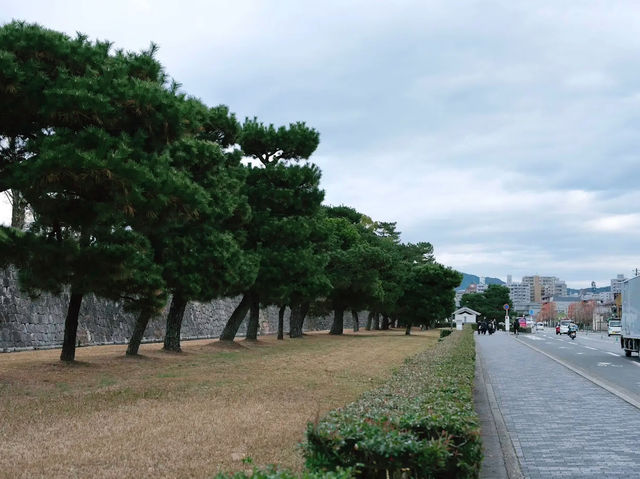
[468,279]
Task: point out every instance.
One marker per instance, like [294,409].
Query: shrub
[421,423]
[445,332]
[524,330]
[474,326]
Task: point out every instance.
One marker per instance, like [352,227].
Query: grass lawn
[183,415]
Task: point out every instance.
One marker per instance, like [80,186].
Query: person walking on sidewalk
[516,326]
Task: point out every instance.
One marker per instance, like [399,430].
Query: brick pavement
[560,424]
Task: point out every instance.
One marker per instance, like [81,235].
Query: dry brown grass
[182,415]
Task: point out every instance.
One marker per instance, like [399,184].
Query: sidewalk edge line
[511,460]
[587,376]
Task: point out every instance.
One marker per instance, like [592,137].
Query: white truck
[630,331]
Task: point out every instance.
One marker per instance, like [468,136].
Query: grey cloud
[496,127]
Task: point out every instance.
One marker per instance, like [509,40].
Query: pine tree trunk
[18,210]
[376,322]
[385,322]
[296,319]
[254,318]
[237,317]
[356,321]
[174,323]
[338,321]
[369,320]
[71,328]
[407,331]
[304,310]
[138,333]
[281,321]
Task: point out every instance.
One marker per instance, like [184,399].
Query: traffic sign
[506,307]
[531,312]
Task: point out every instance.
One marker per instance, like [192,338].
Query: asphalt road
[593,354]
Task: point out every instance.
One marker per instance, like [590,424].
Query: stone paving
[560,424]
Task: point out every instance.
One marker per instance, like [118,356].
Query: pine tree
[94,126]
[282,197]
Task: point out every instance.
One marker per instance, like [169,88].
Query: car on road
[539,326]
[564,327]
[615,327]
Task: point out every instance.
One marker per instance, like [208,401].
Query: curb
[588,377]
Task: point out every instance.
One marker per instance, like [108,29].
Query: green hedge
[445,332]
[421,423]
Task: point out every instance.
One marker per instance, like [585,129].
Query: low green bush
[474,326]
[421,423]
[445,332]
[524,330]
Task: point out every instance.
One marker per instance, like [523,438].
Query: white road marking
[579,353]
[589,347]
[613,354]
[604,364]
[637,364]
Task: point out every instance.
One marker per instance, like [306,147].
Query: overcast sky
[506,133]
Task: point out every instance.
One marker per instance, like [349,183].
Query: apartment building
[520,295]
[542,287]
[616,284]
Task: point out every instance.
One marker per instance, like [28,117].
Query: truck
[630,328]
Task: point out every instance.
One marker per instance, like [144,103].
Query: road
[595,355]
[558,423]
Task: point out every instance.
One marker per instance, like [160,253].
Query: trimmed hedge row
[445,332]
[421,423]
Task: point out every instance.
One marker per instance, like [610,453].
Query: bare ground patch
[182,415]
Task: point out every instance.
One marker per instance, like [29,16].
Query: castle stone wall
[27,323]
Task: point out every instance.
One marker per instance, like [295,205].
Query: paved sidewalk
[559,424]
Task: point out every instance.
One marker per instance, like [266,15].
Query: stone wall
[27,323]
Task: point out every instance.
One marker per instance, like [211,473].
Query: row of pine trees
[140,193]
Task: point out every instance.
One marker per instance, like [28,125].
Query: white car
[564,326]
[539,326]
[615,327]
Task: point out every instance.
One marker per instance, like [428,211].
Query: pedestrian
[516,326]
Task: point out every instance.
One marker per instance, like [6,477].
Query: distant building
[459,297]
[563,303]
[465,315]
[616,284]
[560,288]
[520,295]
[601,314]
[544,287]
[472,288]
